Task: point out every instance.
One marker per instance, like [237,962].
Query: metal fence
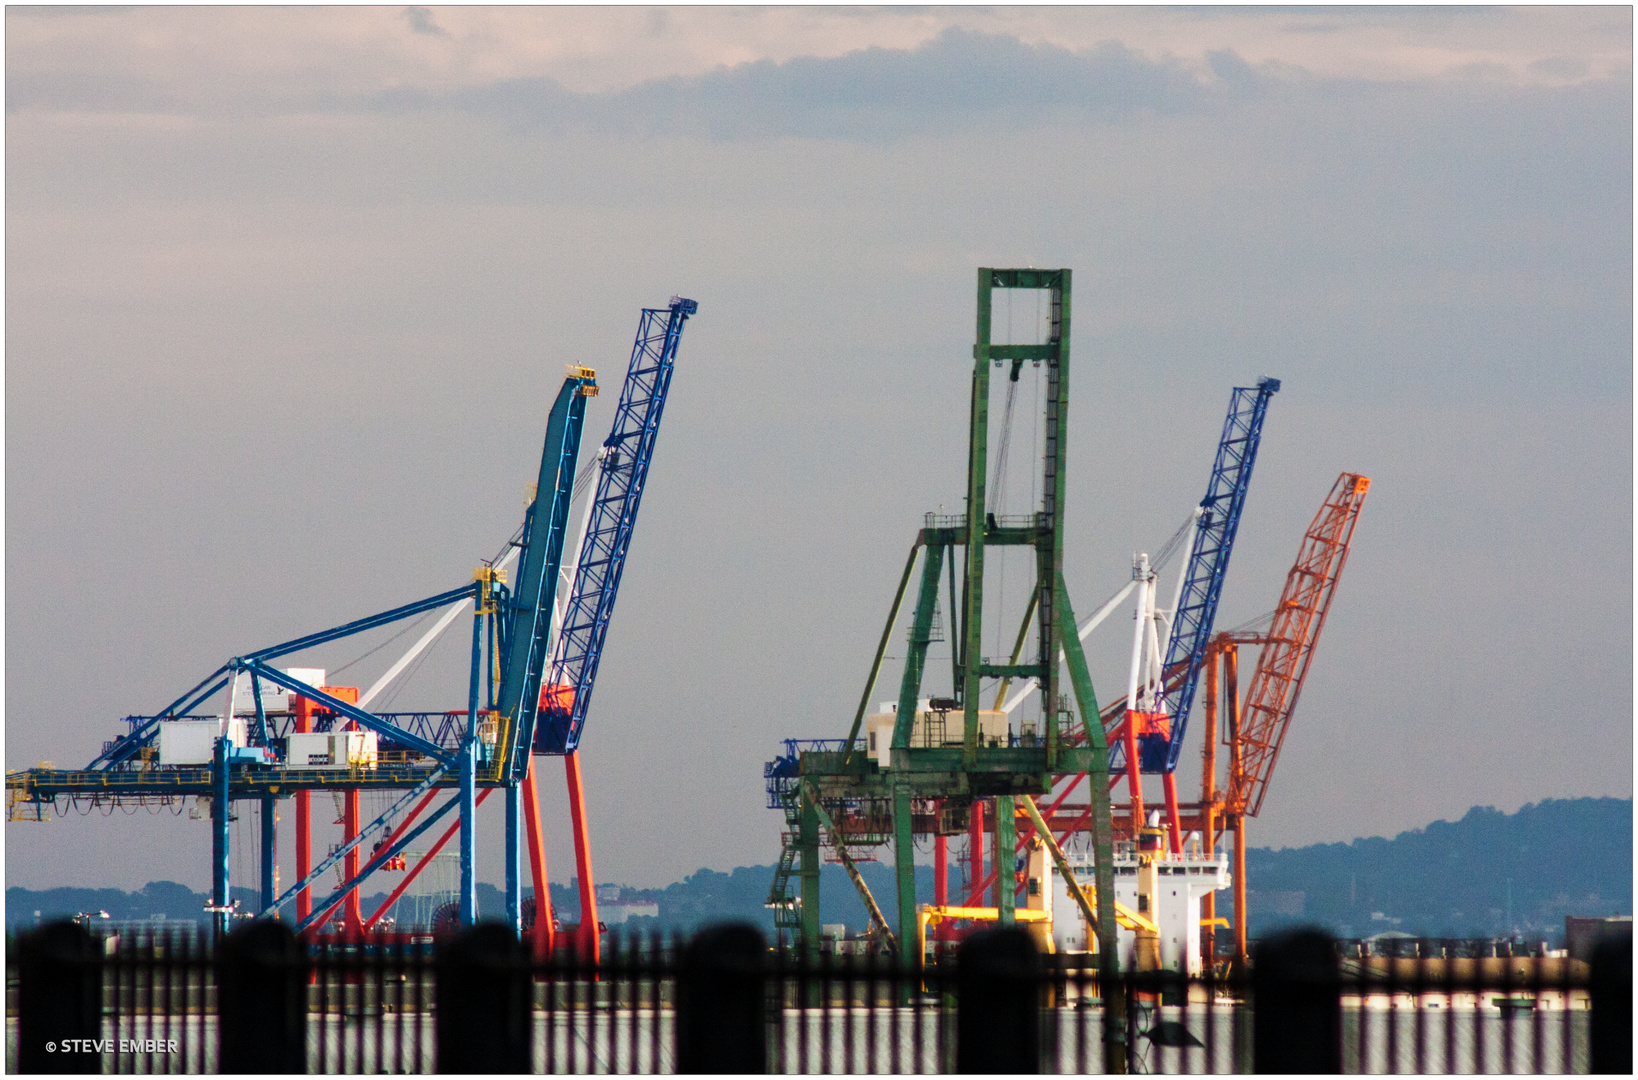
[166,1001]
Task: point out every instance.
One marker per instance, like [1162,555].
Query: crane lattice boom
[1288,647]
[621,475]
[1203,578]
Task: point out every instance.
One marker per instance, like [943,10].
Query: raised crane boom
[530,606]
[621,475]
[1288,647]
[1208,564]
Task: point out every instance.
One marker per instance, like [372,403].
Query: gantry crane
[931,765]
[486,745]
[581,628]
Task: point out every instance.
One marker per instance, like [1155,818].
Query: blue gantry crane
[577,647]
[248,752]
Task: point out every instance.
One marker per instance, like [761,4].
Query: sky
[289,292]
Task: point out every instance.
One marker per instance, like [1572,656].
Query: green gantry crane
[930,775]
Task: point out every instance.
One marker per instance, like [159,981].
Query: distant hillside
[1488,874]
[705,896]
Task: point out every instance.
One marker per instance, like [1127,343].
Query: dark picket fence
[153,1001]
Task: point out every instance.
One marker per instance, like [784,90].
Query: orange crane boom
[1288,646]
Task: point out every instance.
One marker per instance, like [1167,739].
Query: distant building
[613,914]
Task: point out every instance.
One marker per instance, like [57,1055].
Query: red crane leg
[941,880]
[352,918]
[304,822]
[543,937]
[304,853]
[995,853]
[586,936]
[941,871]
[1174,826]
[1134,781]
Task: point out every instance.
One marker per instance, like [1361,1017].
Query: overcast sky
[289,291]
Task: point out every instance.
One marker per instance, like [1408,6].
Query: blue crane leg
[469,811]
[469,772]
[219,815]
[514,864]
[270,847]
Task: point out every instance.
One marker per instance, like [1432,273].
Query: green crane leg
[904,863]
[971,646]
[808,845]
[1006,842]
[1114,999]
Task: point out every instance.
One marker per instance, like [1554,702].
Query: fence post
[998,1003]
[261,1000]
[1296,1000]
[59,1000]
[1610,986]
[721,1002]
[483,982]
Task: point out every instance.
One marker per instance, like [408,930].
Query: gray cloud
[957,79]
[953,81]
[421,21]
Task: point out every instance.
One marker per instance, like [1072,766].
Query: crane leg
[1174,826]
[304,852]
[941,877]
[1006,877]
[1239,893]
[543,937]
[1134,779]
[586,937]
[270,849]
[514,848]
[351,917]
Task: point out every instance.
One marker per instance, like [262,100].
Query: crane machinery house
[938,723]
